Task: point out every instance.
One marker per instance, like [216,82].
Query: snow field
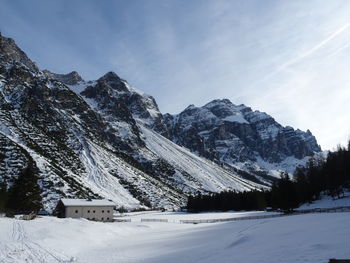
[300,238]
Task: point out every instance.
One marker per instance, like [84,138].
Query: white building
[92,209]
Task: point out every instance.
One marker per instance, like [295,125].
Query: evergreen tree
[3,196]
[24,196]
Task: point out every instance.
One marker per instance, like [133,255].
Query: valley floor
[299,238]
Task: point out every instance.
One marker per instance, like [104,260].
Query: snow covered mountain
[238,137]
[95,139]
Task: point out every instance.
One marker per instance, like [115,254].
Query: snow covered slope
[327,201]
[192,171]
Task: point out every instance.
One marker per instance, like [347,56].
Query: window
[102,219]
[107,211]
[88,211]
[76,211]
[103,211]
[94,211]
[107,218]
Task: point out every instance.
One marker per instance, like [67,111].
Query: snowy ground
[329,202]
[300,238]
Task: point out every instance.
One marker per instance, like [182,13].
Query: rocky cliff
[236,135]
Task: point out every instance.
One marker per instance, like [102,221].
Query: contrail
[345,46]
[307,53]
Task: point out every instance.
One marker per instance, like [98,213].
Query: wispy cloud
[309,52]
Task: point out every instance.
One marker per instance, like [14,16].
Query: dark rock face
[224,132]
[105,92]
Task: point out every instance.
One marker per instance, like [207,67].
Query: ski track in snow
[20,248]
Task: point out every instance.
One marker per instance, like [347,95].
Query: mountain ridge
[250,135]
[100,138]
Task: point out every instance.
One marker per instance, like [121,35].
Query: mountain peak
[71,78]
[110,76]
[10,52]
[75,74]
[218,102]
[190,107]
[228,133]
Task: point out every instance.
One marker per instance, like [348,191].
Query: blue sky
[290,59]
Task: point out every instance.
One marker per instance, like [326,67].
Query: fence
[154,220]
[200,221]
[298,212]
[122,220]
[325,210]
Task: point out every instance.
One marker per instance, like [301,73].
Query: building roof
[87,202]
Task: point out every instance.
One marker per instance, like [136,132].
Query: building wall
[97,213]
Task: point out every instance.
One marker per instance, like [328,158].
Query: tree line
[329,175]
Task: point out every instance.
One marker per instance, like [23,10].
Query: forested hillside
[330,176]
